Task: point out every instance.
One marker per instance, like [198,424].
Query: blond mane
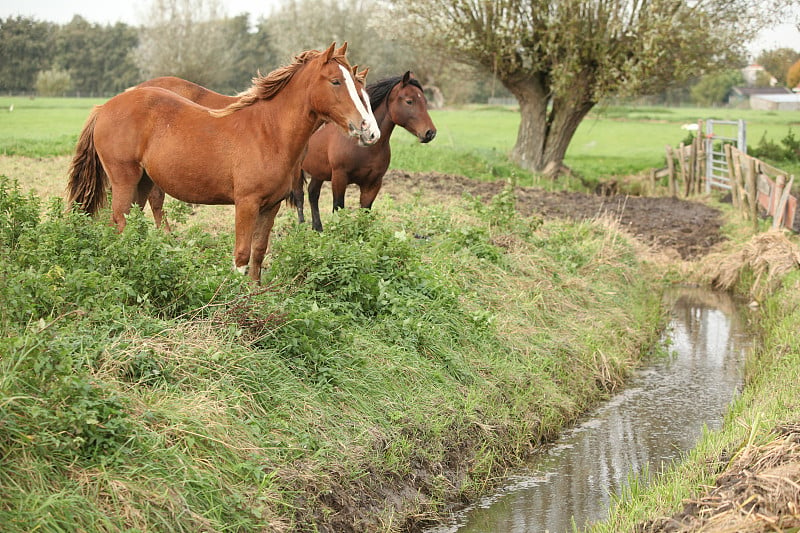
[266,87]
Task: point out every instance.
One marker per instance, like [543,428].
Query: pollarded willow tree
[560,58]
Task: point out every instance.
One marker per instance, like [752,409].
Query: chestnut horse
[242,154]
[207,98]
[196,93]
[333,157]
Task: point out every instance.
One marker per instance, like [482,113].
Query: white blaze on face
[366,115]
[369,104]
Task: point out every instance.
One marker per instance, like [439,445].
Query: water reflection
[660,415]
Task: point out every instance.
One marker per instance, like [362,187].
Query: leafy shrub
[787,151]
[50,400]
[358,267]
[68,262]
[18,213]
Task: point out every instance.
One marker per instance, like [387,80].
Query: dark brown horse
[243,154]
[333,157]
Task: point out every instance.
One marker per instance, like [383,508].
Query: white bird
[690,127]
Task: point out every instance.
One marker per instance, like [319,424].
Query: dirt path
[688,228]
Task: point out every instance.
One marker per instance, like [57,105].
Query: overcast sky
[111,11]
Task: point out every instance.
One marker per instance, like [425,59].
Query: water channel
[658,416]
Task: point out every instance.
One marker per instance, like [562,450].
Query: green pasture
[473,141]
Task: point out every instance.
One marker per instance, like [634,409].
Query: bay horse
[242,154]
[214,100]
[331,156]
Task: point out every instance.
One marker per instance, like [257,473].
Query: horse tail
[295,198]
[87,178]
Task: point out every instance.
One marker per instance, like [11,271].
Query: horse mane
[379,90]
[266,87]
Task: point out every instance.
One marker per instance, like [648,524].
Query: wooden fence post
[780,210]
[739,182]
[671,170]
[700,159]
[732,178]
[752,186]
[689,185]
[682,164]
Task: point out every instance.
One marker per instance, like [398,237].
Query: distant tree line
[194,40]
[86,59]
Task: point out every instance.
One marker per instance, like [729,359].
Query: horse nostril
[429,135]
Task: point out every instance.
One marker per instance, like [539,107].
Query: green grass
[609,142]
[474,141]
[41,127]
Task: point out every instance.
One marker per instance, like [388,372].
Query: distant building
[775,102]
[743,96]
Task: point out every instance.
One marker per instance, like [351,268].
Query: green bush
[787,151]
[66,262]
[57,407]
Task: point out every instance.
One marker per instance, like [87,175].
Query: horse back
[180,146]
[191,91]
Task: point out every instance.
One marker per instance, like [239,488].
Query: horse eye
[409,102]
[336,82]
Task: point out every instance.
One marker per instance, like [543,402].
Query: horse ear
[406,77]
[341,51]
[353,70]
[329,52]
[362,76]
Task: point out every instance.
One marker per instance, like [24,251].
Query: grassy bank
[395,363]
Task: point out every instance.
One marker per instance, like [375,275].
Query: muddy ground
[690,229]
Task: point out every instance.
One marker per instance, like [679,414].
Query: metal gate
[718,134]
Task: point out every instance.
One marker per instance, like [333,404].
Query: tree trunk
[546,126]
[532,133]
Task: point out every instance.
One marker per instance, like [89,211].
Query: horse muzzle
[368,134]
[427,136]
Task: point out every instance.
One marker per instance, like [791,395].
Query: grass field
[473,141]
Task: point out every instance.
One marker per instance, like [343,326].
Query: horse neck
[289,117]
[384,120]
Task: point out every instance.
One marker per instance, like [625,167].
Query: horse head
[340,97]
[408,108]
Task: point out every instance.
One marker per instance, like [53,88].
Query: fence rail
[757,188]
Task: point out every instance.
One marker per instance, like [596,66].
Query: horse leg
[339,188]
[246,217]
[124,187]
[314,187]
[260,245]
[369,192]
[298,180]
[156,200]
[143,189]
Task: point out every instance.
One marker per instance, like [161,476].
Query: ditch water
[658,416]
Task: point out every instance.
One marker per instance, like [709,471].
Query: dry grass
[768,256]
[759,492]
